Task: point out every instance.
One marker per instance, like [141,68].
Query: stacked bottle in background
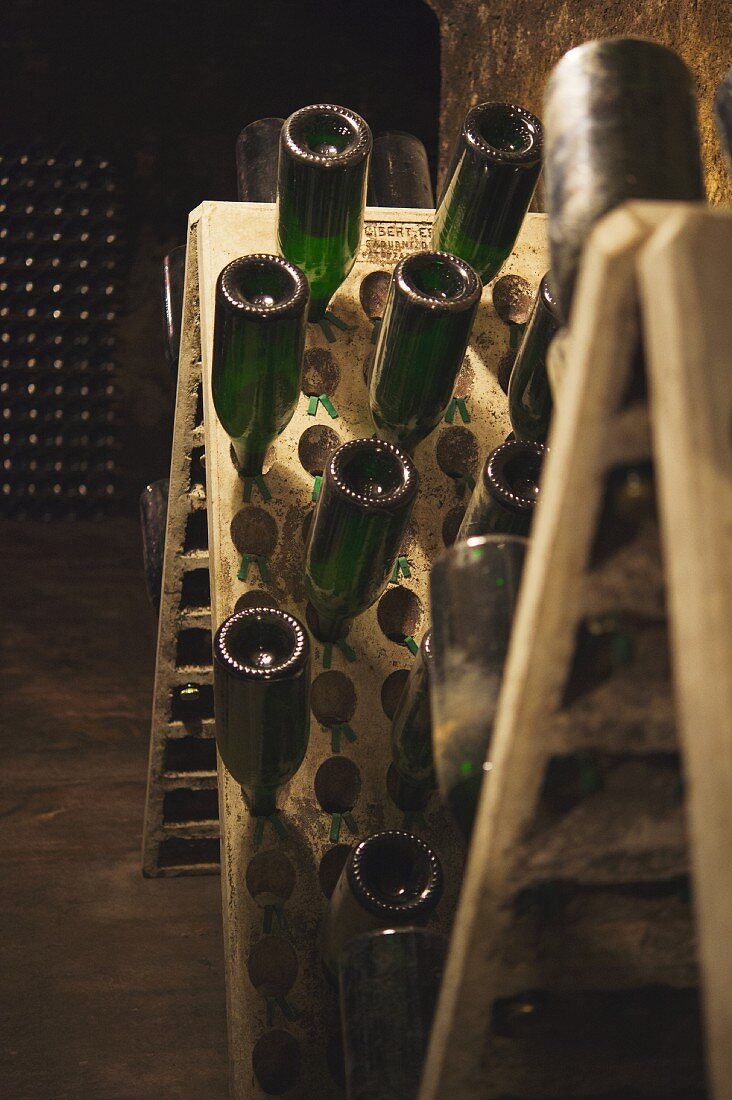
[61,271]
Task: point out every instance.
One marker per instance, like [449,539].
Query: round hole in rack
[276,1061]
[513,299]
[510,437]
[457,452]
[392,690]
[332,698]
[320,372]
[254,531]
[270,877]
[272,966]
[505,366]
[267,464]
[331,866]
[337,785]
[465,380]
[316,444]
[335,1057]
[255,598]
[398,613]
[451,524]
[373,293]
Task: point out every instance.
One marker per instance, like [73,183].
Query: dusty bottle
[262,701]
[473,591]
[620,124]
[391,878]
[489,185]
[365,502]
[399,174]
[529,395]
[321,195]
[432,302]
[259,340]
[257,157]
[504,500]
[389,984]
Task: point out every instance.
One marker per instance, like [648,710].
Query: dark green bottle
[259,340]
[262,701]
[411,727]
[321,195]
[368,491]
[507,492]
[433,298]
[620,124]
[489,185]
[389,879]
[529,395]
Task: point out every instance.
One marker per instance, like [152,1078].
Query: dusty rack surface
[280,1009]
[181,830]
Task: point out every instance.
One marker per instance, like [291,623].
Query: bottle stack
[61,271]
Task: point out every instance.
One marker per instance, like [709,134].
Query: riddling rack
[282,1015]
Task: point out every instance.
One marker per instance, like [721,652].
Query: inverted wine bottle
[391,878]
[489,185]
[399,174]
[430,310]
[389,984]
[620,124]
[321,195]
[411,727]
[473,590]
[259,340]
[262,701]
[504,500]
[257,157]
[529,395]
[366,499]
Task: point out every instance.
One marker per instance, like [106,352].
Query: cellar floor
[113,985]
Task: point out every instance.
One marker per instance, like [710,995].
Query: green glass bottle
[411,727]
[366,499]
[391,878]
[321,195]
[489,185]
[507,492]
[529,395]
[262,701]
[433,298]
[259,340]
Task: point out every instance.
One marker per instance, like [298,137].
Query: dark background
[164,89]
[113,986]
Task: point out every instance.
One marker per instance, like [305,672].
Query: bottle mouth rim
[549,298]
[297,655]
[229,295]
[429,894]
[495,472]
[357,151]
[532,126]
[466,298]
[403,493]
